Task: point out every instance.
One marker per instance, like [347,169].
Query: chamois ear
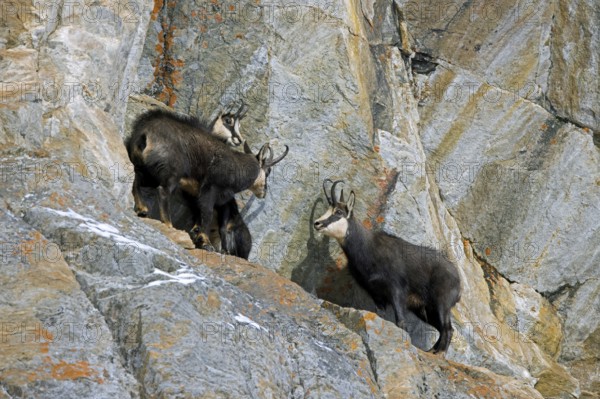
[247,148]
[350,203]
[263,154]
[242,111]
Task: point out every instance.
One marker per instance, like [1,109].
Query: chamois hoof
[194,234]
[436,351]
[208,247]
[201,240]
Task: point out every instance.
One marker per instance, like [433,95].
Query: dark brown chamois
[226,127]
[393,271]
[234,235]
[166,153]
[236,239]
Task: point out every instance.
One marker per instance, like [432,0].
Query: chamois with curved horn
[225,127]
[164,157]
[411,278]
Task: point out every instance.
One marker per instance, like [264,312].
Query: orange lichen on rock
[71,371]
[62,371]
[370,316]
[57,199]
[213,300]
[167,69]
[158,5]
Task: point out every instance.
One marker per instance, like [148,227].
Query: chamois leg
[226,228]
[205,203]
[243,238]
[433,319]
[400,308]
[378,289]
[164,195]
[442,321]
[140,208]
[235,236]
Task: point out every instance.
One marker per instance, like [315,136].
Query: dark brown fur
[393,271]
[235,237]
[168,149]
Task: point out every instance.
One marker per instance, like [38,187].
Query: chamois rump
[393,271]
[171,152]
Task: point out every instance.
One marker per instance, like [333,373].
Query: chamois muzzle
[332,215]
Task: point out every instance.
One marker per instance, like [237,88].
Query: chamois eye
[228,120]
[339,212]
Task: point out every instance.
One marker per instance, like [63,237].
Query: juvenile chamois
[169,153]
[393,271]
[235,237]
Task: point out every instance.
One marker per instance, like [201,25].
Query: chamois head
[334,222]
[227,125]
[266,162]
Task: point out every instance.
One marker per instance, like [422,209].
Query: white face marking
[236,128]
[220,131]
[337,229]
[258,187]
[325,215]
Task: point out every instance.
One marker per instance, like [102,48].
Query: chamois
[168,151]
[226,127]
[393,271]
[235,237]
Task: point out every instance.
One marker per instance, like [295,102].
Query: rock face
[465,127]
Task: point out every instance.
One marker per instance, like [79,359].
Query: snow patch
[103,229]
[322,345]
[240,318]
[182,276]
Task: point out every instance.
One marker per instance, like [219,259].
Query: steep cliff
[467,127]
